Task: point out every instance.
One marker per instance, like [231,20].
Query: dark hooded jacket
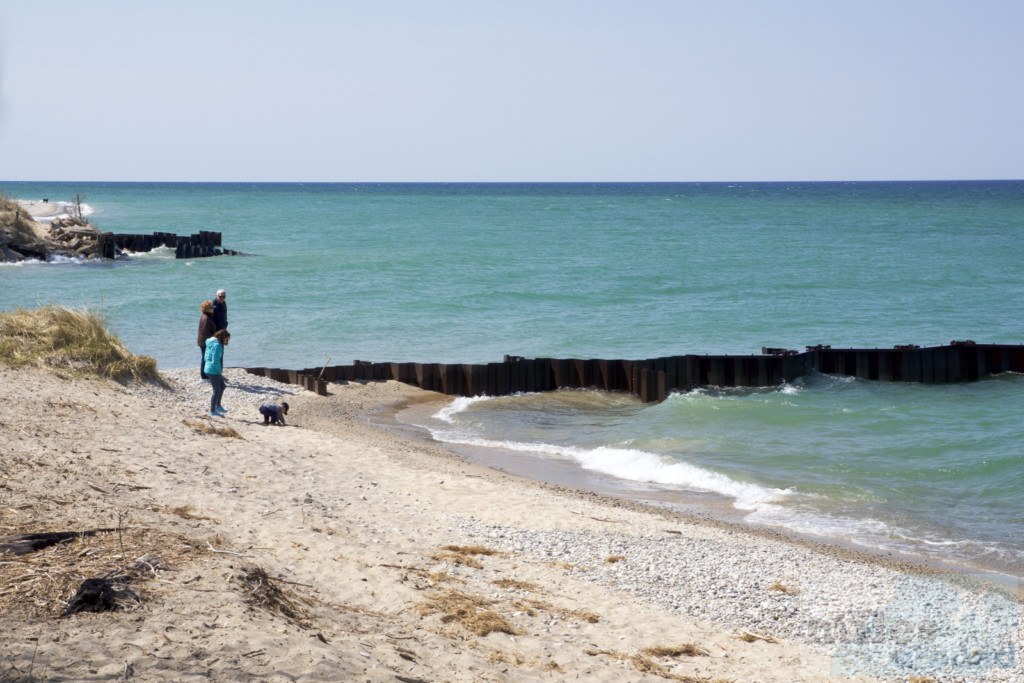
[207,325]
[220,314]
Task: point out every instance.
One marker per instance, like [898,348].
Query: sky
[511,91]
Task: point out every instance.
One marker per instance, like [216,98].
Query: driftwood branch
[750,636]
[224,552]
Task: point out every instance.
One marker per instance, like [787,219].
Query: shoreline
[719,512]
[45,212]
[376,535]
[41,211]
[48,234]
[696,507]
[708,507]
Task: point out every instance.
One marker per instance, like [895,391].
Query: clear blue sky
[519,90]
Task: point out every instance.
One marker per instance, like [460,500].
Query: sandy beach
[43,211]
[332,550]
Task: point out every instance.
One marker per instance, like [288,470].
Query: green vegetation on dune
[70,339]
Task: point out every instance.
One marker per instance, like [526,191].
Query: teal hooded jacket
[212,358]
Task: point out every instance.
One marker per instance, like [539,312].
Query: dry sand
[43,211]
[362,533]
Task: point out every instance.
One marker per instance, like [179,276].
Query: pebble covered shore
[244,392]
[873,620]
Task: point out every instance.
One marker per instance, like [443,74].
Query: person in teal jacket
[212,367]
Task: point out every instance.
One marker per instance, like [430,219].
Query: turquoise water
[468,273]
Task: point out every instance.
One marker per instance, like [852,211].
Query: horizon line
[523,182]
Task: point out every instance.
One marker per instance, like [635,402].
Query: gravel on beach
[873,620]
[244,392]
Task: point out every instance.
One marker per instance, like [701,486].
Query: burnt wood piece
[101,595]
[30,543]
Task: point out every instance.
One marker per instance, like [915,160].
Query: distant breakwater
[654,379]
[200,245]
[77,239]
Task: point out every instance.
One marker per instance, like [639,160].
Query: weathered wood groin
[199,245]
[76,237]
[653,379]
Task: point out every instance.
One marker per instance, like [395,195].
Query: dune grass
[15,220]
[204,427]
[76,340]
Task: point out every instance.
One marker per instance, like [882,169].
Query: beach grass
[471,612]
[515,584]
[205,427]
[683,650]
[76,340]
[14,219]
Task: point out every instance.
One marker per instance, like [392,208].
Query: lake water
[470,272]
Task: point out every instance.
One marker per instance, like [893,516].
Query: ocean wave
[808,514]
[716,392]
[633,465]
[460,404]
[158,254]
[55,259]
[875,534]
[764,506]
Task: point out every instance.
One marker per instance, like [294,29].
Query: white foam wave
[732,393]
[647,467]
[60,258]
[160,253]
[874,534]
[635,465]
[56,258]
[448,413]
[817,523]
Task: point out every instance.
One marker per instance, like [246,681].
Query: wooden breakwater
[199,245]
[653,379]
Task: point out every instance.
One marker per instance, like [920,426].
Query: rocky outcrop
[67,237]
[78,238]
[22,238]
[20,241]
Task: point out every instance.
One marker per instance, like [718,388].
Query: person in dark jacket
[220,310]
[207,327]
[273,413]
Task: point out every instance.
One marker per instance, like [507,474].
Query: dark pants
[202,363]
[217,382]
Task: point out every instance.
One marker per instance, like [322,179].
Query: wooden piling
[497,379]
[885,363]
[202,244]
[561,369]
[654,379]
[516,374]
